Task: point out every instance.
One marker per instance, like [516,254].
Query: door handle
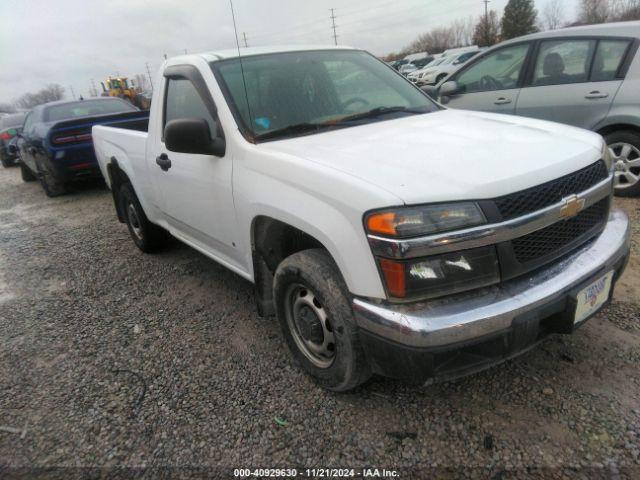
[164,162]
[595,95]
[502,101]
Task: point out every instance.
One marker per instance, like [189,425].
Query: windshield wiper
[294,129]
[376,112]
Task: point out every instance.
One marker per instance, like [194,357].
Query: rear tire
[51,184]
[147,236]
[7,162]
[26,174]
[314,310]
[625,145]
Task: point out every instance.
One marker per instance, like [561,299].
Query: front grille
[556,238]
[541,196]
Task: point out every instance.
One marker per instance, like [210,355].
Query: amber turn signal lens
[383,223]
[394,277]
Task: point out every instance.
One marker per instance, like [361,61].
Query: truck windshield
[300,93]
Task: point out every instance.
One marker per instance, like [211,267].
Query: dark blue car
[55,145]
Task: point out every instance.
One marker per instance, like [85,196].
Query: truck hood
[450,154]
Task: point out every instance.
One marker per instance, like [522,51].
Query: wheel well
[618,127]
[117,178]
[272,241]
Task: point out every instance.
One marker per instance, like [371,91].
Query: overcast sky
[71,42]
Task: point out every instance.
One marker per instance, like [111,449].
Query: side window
[609,56]
[498,70]
[563,61]
[183,101]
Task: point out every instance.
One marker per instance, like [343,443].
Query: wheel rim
[134,221]
[310,326]
[626,158]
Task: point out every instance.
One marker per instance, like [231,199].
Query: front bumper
[424,340]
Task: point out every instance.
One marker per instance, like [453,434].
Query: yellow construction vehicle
[119,87]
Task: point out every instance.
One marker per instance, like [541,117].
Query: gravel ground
[110,357]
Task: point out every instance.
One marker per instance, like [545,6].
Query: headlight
[607,156]
[424,220]
[441,274]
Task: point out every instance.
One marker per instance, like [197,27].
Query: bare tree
[593,11]
[553,15]
[141,82]
[433,41]
[487,30]
[7,108]
[623,10]
[50,93]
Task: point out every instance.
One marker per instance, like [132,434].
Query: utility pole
[333,25]
[486,21]
[73,94]
[244,37]
[149,73]
[94,90]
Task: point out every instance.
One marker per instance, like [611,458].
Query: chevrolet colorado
[388,234]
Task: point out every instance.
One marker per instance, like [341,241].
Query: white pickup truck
[388,234]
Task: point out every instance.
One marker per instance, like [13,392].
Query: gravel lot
[112,357]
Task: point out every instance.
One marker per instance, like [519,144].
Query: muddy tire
[147,236]
[314,310]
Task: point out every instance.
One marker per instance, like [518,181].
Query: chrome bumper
[465,317]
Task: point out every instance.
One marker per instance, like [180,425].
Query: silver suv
[583,76]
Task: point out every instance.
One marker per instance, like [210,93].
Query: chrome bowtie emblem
[572,206]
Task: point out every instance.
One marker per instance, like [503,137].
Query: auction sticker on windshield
[592,297]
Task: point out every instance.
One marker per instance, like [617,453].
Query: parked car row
[588,77]
[54,143]
[434,72]
[10,128]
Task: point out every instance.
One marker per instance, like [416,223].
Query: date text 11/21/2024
[316,473]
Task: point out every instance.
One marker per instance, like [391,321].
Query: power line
[333,24]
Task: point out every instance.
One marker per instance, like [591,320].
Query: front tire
[625,145]
[147,236]
[314,310]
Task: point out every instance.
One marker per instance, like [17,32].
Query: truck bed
[124,140]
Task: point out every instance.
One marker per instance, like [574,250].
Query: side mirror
[430,90]
[449,88]
[192,135]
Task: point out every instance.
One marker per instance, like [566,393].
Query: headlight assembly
[424,220]
[440,274]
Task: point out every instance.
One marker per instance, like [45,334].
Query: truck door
[195,190]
